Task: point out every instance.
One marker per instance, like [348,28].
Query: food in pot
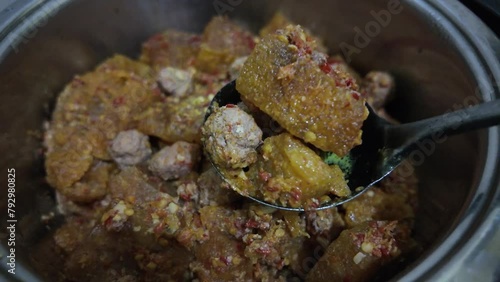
[223,41]
[141,202]
[288,79]
[314,99]
[130,147]
[291,174]
[379,86]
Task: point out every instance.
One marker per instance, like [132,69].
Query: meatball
[130,148]
[326,223]
[176,82]
[231,137]
[322,105]
[171,48]
[361,251]
[175,161]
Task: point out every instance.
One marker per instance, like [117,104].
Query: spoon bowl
[385,145]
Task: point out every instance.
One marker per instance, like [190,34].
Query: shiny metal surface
[438,51]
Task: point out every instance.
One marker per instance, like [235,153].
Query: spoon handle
[475,117]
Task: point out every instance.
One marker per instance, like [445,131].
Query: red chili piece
[326,68]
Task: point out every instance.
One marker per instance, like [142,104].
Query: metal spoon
[385,145]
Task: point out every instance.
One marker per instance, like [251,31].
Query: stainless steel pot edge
[15,12]
[484,42]
[470,34]
[20,22]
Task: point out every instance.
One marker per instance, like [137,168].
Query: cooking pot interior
[432,76]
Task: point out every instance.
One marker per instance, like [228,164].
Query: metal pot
[442,56]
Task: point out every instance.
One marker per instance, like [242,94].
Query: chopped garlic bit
[262,210]
[46,217]
[358,257]
[279,232]
[151,265]
[242,175]
[173,208]
[163,203]
[367,247]
[156,218]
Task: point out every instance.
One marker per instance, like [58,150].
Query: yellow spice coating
[281,78]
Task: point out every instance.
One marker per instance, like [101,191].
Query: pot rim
[481,51]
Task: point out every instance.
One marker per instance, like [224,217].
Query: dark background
[487,10]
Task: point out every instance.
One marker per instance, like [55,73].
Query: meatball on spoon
[385,146]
